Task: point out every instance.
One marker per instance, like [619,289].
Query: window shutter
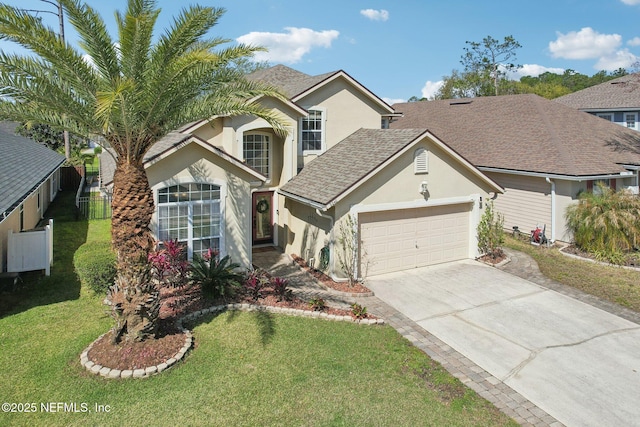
[421,161]
[590,185]
[612,184]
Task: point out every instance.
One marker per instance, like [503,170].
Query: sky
[403,48]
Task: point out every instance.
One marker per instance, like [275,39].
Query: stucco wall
[303,231]
[196,164]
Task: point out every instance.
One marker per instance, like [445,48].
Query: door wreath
[262,206]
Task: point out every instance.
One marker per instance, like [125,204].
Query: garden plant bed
[357,288]
[177,303]
[631,260]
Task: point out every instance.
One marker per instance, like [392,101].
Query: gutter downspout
[553,208]
[331,224]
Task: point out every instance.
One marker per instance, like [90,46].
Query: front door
[262,217]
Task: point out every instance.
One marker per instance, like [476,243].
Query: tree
[489,61]
[131,91]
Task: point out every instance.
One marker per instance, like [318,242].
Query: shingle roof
[291,82]
[525,133]
[345,164]
[620,93]
[24,165]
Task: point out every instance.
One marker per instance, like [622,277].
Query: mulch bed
[177,303]
[357,288]
[493,259]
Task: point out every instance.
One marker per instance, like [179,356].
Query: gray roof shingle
[291,82]
[621,93]
[525,133]
[24,165]
[345,164]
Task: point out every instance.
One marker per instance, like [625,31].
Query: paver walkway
[491,388]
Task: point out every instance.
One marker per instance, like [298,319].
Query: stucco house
[542,152]
[234,184]
[617,100]
[29,181]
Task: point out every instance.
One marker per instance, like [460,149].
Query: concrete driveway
[576,362]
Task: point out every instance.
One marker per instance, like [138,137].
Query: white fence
[30,250]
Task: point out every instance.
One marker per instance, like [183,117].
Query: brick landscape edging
[110,373]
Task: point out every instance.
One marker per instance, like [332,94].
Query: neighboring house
[617,100]
[29,181]
[542,152]
[232,183]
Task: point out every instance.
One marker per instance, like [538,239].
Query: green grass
[613,284]
[246,368]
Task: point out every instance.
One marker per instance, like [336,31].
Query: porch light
[423,187]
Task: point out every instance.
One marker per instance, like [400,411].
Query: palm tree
[131,91]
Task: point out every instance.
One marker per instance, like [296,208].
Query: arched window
[191,213]
[421,161]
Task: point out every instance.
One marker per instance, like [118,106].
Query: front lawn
[614,284]
[246,368]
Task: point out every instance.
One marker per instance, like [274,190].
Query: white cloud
[620,59]
[634,41]
[631,2]
[375,15]
[584,44]
[430,88]
[534,70]
[392,101]
[288,47]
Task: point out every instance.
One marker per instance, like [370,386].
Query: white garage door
[408,238]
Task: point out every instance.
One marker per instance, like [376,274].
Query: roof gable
[170,145]
[525,133]
[24,165]
[622,93]
[343,168]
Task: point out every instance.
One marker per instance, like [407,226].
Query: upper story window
[312,132]
[256,149]
[606,116]
[630,119]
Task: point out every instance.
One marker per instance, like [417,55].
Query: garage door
[408,238]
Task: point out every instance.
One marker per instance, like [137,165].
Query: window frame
[323,131]
[635,120]
[269,151]
[190,214]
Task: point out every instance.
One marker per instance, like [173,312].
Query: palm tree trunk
[134,297]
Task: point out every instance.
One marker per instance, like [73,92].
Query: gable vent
[421,161]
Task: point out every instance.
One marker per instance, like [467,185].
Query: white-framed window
[606,116]
[312,131]
[630,120]
[191,213]
[256,151]
[421,161]
[54,184]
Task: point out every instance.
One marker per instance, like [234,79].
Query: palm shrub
[217,276]
[131,92]
[491,232]
[605,222]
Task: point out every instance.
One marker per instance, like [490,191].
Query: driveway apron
[577,362]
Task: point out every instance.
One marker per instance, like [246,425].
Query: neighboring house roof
[622,93]
[24,165]
[166,146]
[296,85]
[525,133]
[342,168]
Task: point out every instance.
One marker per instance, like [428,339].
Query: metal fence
[94,206]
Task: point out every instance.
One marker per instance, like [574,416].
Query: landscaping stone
[138,373]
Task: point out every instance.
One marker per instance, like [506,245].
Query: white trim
[353,82]
[553,209]
[299,199]
[578,178]
[323,132]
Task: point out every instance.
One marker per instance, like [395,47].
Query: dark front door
[263,217]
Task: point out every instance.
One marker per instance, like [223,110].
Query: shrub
[358,311]
[254,284]
[317,304]
[605,222]
[281,290]
[169,265]
[95,264]
[491,232]
[216,276]
[348,253]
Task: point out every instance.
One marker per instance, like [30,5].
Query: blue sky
[403,48]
